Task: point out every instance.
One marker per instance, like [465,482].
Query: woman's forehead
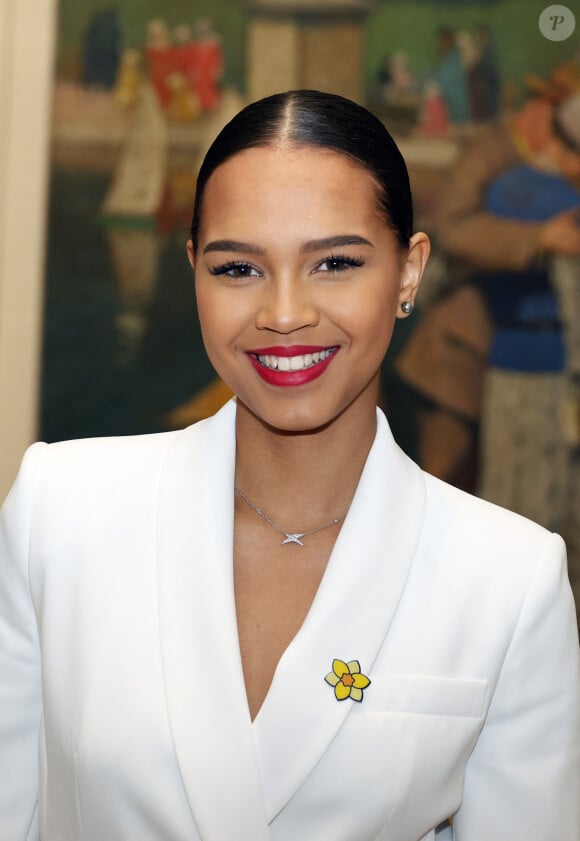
[289,179]
[282,204]
[303,160]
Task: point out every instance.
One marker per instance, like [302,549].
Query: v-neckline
[348,619]
[268,759]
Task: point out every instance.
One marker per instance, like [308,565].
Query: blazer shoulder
[121,453]
[445,496]
[88,464]
[89,457]
[481,531]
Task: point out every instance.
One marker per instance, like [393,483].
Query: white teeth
[294,363]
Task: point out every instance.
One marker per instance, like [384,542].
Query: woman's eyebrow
[334,242]
[306,248]
[233,245]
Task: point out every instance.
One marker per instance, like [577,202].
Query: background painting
[133,112]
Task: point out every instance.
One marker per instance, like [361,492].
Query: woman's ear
[190,254]
[414,265]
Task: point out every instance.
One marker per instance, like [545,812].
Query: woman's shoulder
[84,453]
[112,461]
[480,534]
[122,453]
[109,469]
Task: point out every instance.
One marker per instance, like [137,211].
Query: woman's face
[298,283]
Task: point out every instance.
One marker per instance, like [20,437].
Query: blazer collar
[348,620]
[256,768]
[206,699]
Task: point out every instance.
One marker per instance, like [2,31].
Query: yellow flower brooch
[347,679]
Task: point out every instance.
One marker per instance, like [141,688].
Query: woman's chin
[289,419]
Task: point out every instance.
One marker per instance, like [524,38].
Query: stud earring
[407,307]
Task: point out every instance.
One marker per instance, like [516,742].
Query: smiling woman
[272,624]
[293,245]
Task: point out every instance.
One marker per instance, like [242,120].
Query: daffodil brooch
[347,679]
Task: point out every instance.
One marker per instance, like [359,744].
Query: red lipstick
[290,378]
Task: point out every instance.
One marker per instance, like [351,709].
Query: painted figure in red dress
[161,59]
[208,64]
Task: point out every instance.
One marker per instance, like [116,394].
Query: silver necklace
[290,537]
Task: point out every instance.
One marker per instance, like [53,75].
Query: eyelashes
[339,263]
[235,269]
[333,264]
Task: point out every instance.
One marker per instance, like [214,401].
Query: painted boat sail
[137,187]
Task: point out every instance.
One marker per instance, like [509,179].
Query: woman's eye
[235,269]
[338,264]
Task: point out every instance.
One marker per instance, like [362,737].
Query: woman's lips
[291,366]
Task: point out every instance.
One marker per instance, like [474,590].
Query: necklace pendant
[293,538]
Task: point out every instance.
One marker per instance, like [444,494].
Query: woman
[273,624]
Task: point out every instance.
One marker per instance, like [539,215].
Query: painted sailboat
[137,187]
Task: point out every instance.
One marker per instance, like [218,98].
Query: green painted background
[521,48]
[409,25]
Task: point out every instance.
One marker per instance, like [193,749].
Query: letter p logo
[557,23]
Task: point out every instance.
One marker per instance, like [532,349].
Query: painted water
[122,344]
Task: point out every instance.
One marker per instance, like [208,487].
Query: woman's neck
[302,479]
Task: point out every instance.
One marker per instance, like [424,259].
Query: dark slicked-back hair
[306,118]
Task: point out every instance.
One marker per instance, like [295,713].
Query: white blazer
[123,713]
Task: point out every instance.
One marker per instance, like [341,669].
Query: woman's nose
[287,307]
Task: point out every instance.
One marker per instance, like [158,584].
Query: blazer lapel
[206,698]
[348,620]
